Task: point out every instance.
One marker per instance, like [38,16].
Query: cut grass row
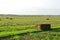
[15,30]
[7,34]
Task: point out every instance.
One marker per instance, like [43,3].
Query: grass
[23,28]
[3,34]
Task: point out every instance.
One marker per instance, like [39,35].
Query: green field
[23,28]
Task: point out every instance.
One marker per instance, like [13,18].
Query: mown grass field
[23,28]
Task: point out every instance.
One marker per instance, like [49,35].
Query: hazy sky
[30,7]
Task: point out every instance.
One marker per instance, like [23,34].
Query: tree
[47,19]
[11,18]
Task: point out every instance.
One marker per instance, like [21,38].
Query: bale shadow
[55,30]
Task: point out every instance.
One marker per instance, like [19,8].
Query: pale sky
[30,7]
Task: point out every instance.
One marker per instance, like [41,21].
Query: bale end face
[45,27]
